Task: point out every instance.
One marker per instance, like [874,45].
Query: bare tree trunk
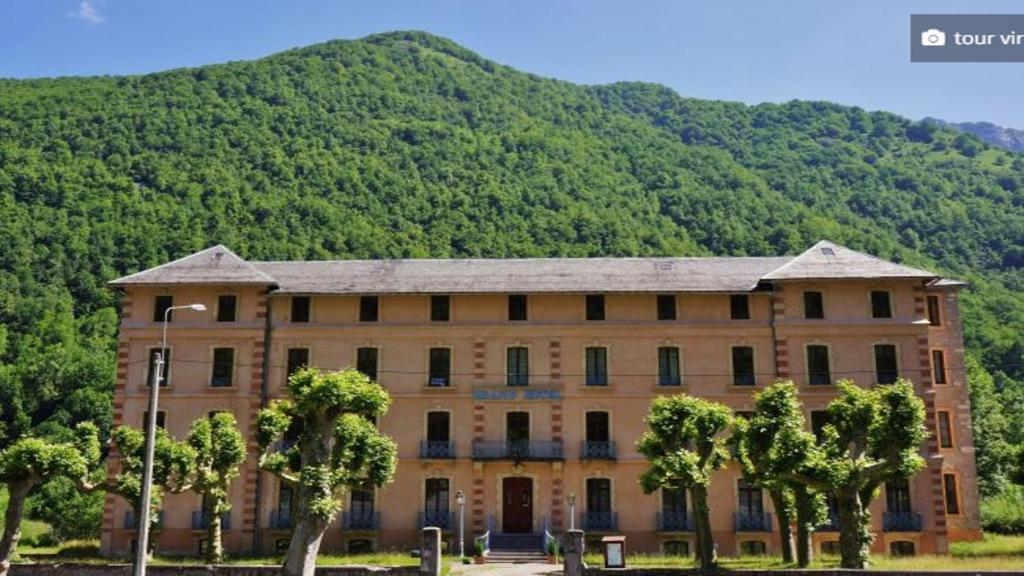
[706,554]
[214,542]
[854,535]
[805,516]
[785,524]
[17,492]
[307,532]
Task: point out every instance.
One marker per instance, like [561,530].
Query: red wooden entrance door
[517,509]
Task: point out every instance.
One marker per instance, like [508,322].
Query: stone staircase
[516,549]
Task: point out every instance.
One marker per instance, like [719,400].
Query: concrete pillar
[572,550]
[430,551]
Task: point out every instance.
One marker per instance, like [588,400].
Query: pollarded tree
[29,462]
[874,435]
[684,446]
[173,466]
[219,449]
[776,451]
[338,448]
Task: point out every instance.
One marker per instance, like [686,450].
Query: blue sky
[852,52]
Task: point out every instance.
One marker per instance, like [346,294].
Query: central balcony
[518,450]
[901,522]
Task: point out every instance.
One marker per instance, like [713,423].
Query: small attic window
[828,251]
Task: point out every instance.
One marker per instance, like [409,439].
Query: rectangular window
[934,317]
[518,366]
[598,427]
[739,307]
[369,308]
[945,430]
[300,308]
[814,306]
[366,362]
[751,500]
[666,306]
[673,501]
[161,420]
[897,496]
[160,306]
[595,306]
[440,367]
[939,366]
[880,305]
[517,307]
[818,371]
[517,427]
[743,366]
[949,488]
[223,367]
[439,308]
[886,371]
[227,307]
[669,373]
[597,366]
[599,495]
[362,503]
[438,426]
[298,358]
[819,419]
[151,375]
[436,495]
[284,506]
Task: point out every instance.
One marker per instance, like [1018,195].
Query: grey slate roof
[825,260]
[215,265]
[828,261]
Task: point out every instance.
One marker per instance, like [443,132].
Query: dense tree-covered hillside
[406,144]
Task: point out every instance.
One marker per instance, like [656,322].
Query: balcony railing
[674,522]
[901,522]
[752,522]
[830,525]
[439,449]
[360,520]
[201,521]
[435,519]
[280,520]
[520,450]
[590,450]
[600,521]
[130,523]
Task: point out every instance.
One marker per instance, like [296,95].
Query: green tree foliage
[219,450]
[173,468]
[71,513]
[28,463]
[684,445]
[873,435]
[408,145]
[773,448]
[338,448]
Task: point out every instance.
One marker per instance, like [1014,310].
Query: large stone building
[524,384]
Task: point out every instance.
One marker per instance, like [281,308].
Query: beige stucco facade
[557,399]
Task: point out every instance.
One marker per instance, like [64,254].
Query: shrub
[1004,513]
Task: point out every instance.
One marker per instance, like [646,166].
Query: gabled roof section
[215,265]
[828,261]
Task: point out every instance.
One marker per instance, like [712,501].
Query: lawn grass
[31,530]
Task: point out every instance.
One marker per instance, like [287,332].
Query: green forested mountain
[405,144]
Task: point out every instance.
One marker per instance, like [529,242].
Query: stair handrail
[485,539]
[549,537]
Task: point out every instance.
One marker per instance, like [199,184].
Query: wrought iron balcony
[437,449]
[674,522]
[830,525]
[520,450]
[360,520]
[590,450]
[201,521]
[600,521]
[130,523]
[435,519]
[752,522]
[901,522]
[280,520]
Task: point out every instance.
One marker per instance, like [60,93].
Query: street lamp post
[572,511]
[460,499]
[142,544]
